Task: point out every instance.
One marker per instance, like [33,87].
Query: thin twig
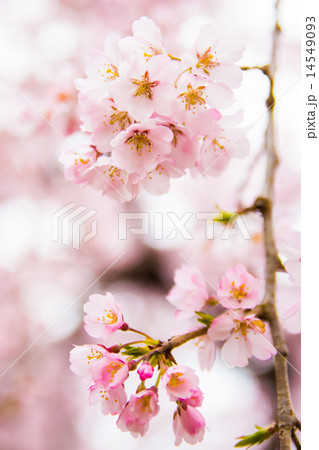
[295,440]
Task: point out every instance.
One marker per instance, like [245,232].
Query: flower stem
[140,332]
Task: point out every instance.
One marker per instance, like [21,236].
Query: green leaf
[135,351]
[205,319]
[225,217]
[261,435]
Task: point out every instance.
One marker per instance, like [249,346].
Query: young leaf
[135,351]
[205,319]
[261,435]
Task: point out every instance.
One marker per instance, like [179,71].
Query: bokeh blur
[44,45]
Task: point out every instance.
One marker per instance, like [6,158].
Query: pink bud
[145,371]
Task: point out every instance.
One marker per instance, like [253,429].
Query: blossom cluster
[105,370]
[148,116]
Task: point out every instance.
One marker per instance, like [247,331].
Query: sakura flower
[104,120]
[238,289]
[188,424]
[189,293]
[140,146]
[103,316]
[146,39]
[101,70]
[214,57]
[217,150]
[196,95]
[138,412]
[110,372]
[78,157]
[112,400]
[84,357]
[145,370]
[245,337]
[181,384]
[145,86]
[113,181]
[157,181]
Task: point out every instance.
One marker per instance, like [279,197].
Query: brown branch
[174,342]
[286,419]
[295,440]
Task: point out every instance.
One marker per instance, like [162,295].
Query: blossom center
[206,61]
[138,141]
[193,96]
[119,117]
[94,354]
[144,86]
[110,317]
[175,380]
[110,72]
[240,292]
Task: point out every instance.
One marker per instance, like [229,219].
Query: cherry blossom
[84,357]
[145,86]
[78,157]
[103,316]
[189,293]
[181,384]
[113,181]
[238,289]
[188,424]
[140,146]
[245,337]
[215,57]
[112,400]
[138,412]
[110,372]
[147,39]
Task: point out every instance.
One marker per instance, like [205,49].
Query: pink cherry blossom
[189,293]
[145,86]
[138,412]
[217,150]
[103,316]
[112,400]
[196,93]
[111,180]
[214,57]
[245,337]
[110,372]
[145,370]
[101,70]
[188,424]
[181,384]
[78,157]
[104,120]
[141,146]
[157,181]
[146,39]
[238,289]
[84,357]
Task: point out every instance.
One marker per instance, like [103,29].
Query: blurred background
[44,45]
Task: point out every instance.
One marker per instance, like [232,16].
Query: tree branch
[174,342]
[286,419]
